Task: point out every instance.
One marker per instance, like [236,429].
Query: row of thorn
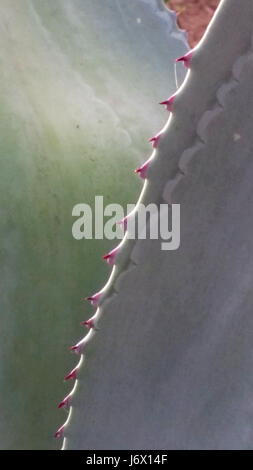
[110,257]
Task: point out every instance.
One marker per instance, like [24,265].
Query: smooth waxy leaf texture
[171,364]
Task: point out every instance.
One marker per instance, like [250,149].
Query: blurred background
[193,16]
[79,89]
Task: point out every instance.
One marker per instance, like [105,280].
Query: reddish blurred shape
[193,16]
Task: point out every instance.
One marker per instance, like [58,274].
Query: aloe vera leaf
[170,366]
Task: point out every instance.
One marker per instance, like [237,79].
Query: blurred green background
[79,86]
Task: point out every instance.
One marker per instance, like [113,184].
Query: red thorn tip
[155,140]
[110,257]
[94,299]
[77,348]
[64,403]
[143,169]
[60,432]
[89,323]
[169,103]
[124,221]
[186,59]
[72,374]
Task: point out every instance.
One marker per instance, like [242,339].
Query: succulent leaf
[170,367]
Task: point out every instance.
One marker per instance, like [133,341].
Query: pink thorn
[169,103]
[65,403]
[72,374]
[155,140]
[89,323]
[143,169]
[110,257]
[60,431]
[123,222]
[77,348]
[94,299]
[186,59]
